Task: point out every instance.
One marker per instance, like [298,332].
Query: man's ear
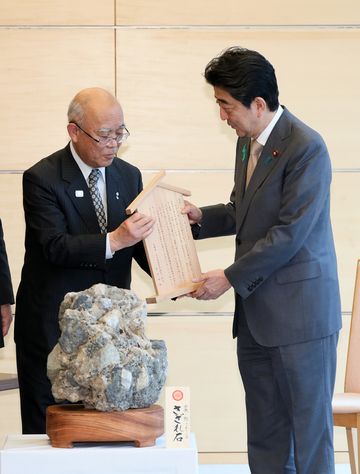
[260,105]
[72,131]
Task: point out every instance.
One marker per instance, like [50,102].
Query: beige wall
[152,53]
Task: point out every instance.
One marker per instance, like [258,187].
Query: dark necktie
[95,196]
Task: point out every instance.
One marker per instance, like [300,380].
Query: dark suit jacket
[285,271]
[65,250]
[6,292]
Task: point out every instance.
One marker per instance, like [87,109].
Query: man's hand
[6,317]
[131,231]
[214,285]
[194,213]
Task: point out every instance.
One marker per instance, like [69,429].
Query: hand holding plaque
[170,248]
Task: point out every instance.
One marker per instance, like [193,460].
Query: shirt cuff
[109,253]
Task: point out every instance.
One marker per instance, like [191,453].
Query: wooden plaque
[170,248]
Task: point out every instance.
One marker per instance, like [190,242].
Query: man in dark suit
[6,291]
[287,311]
[71,241]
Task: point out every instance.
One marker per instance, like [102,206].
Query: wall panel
[40,72]
[346,226]
[174,121]
[56,12]
[231,12]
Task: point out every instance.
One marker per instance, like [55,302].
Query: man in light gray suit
[287,311]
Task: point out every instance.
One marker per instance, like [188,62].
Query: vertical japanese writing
[178,417]
[170,246]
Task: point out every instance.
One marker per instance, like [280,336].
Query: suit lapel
[115,190]
[78,192]
[272,152]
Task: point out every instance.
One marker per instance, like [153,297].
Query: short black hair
[244,74]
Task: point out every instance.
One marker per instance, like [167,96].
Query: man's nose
[223,114]
[113,143]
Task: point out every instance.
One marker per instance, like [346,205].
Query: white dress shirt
[264,135]
[86,170]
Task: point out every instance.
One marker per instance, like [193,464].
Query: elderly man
[77,234]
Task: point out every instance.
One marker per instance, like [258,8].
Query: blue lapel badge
[268,159]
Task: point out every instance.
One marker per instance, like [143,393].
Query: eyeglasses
[106,141]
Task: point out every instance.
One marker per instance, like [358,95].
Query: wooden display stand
[170,248]
[67,424]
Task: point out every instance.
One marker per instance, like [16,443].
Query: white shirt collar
[264,135]
[84,168]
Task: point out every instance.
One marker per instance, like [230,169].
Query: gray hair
[75,111]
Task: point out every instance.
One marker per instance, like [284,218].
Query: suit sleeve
[218,220]
[48,217]
[6,291]
[305,195]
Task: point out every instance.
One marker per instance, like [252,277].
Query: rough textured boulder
[103,358]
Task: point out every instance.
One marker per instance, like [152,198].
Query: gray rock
[103,358]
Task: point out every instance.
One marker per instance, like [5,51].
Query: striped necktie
[95,196]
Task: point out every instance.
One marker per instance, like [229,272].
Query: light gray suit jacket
[285,271]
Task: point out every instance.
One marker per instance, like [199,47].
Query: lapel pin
[275,153]
[79,193]
[117,194]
